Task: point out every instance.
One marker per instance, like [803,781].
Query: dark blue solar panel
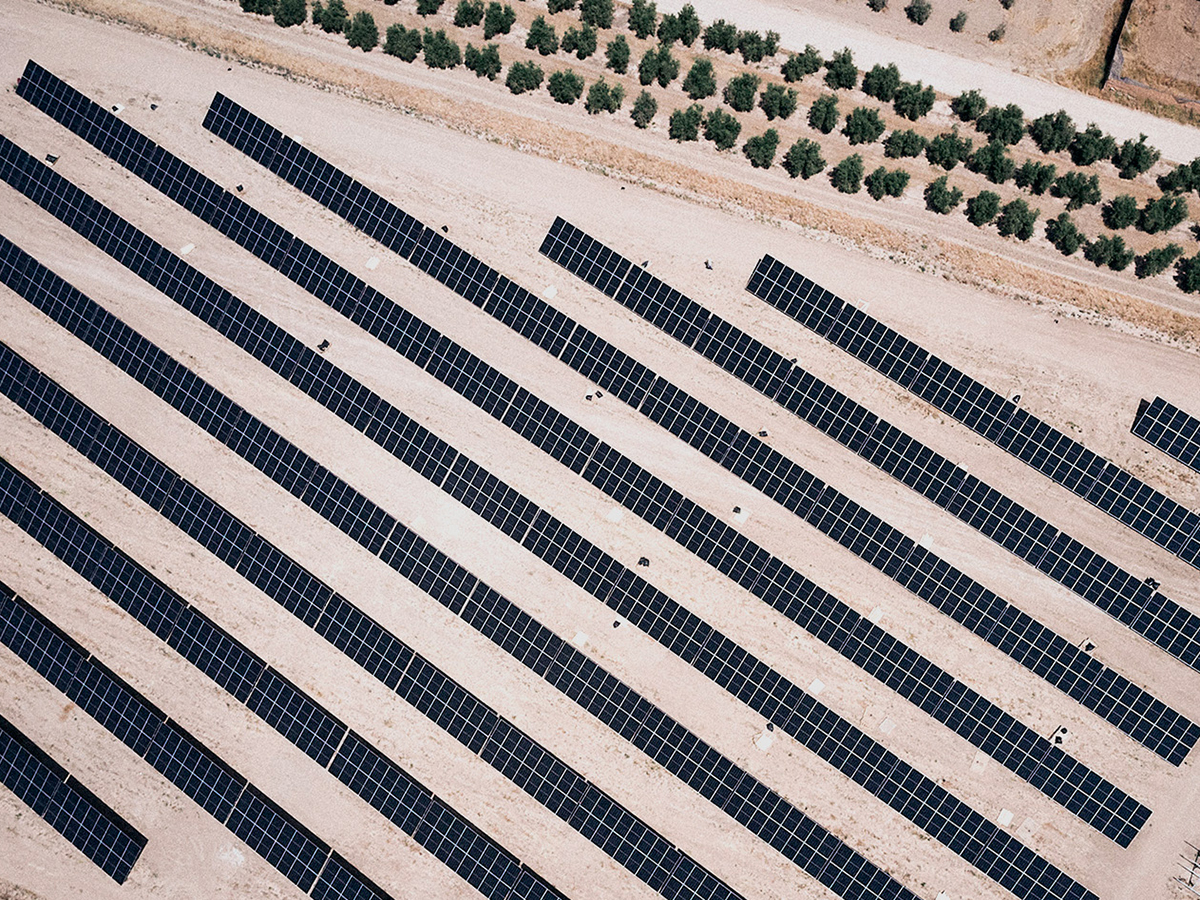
[67,806]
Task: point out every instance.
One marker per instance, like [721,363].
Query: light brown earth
[1080,366]
[1160,49]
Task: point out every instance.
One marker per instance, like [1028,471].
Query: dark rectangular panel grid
[1128,707]
[1016,528]
[67,806]
[600,462]
[261,824]
[359,301]
[1167,427]
[364,640]
[265,827]
[1045,448]
[938,812]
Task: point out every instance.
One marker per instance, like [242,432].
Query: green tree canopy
[722,129]
[363,33]
[468,13]
[940,197]
[777,101]
[840,71]
[760,149]
[1078,189]
[541,37]
[484,62]
[498,19]
[847,175]
[1090,145]
[948,150]
[1017,220]
[643,18]
[969,105]
[617,54]
[440,51]
[982,208]
[741,91]
[721,35]
[1062,232]
[644,109]
[597,13]
[684,124]
[804,159]
[823,114]
[881,82]
[523,77]
[701,81]
[602,97]
[402,42]
[1036,176]
[1052,132]
[912,101]
[1005,124]
[863,126]
[901,144]
[800,64]
[565,86]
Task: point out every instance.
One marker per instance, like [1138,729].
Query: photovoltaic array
[382,783]
[1170,429]
[1094,799]
[917,568]
[677,749]
[1083,472]
[304,859]
[67,806]
[915,796]
[1131,600]
[366,308]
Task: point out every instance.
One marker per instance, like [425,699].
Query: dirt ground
[1044,38]
[1160,49]
[1083,370]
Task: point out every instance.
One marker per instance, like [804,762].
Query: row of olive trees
[804,158]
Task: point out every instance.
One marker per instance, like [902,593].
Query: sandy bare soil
[1160,48]
[1083,372]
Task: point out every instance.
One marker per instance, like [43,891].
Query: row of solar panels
[302,857]
[529,765]
[1131,600]
[1082,471]
[67,806]
[786,588]
[1170,429]
[859,756]
[444,364]
[618,706]
[920,570]
[861,641]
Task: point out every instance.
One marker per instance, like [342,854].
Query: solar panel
[261,824]
[1167,427]
[364,640]
[1014,527]
[1022,637]
[389,316]
[1034,653]
[799,714]
[66,805]
[1066,461]
[266,828]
